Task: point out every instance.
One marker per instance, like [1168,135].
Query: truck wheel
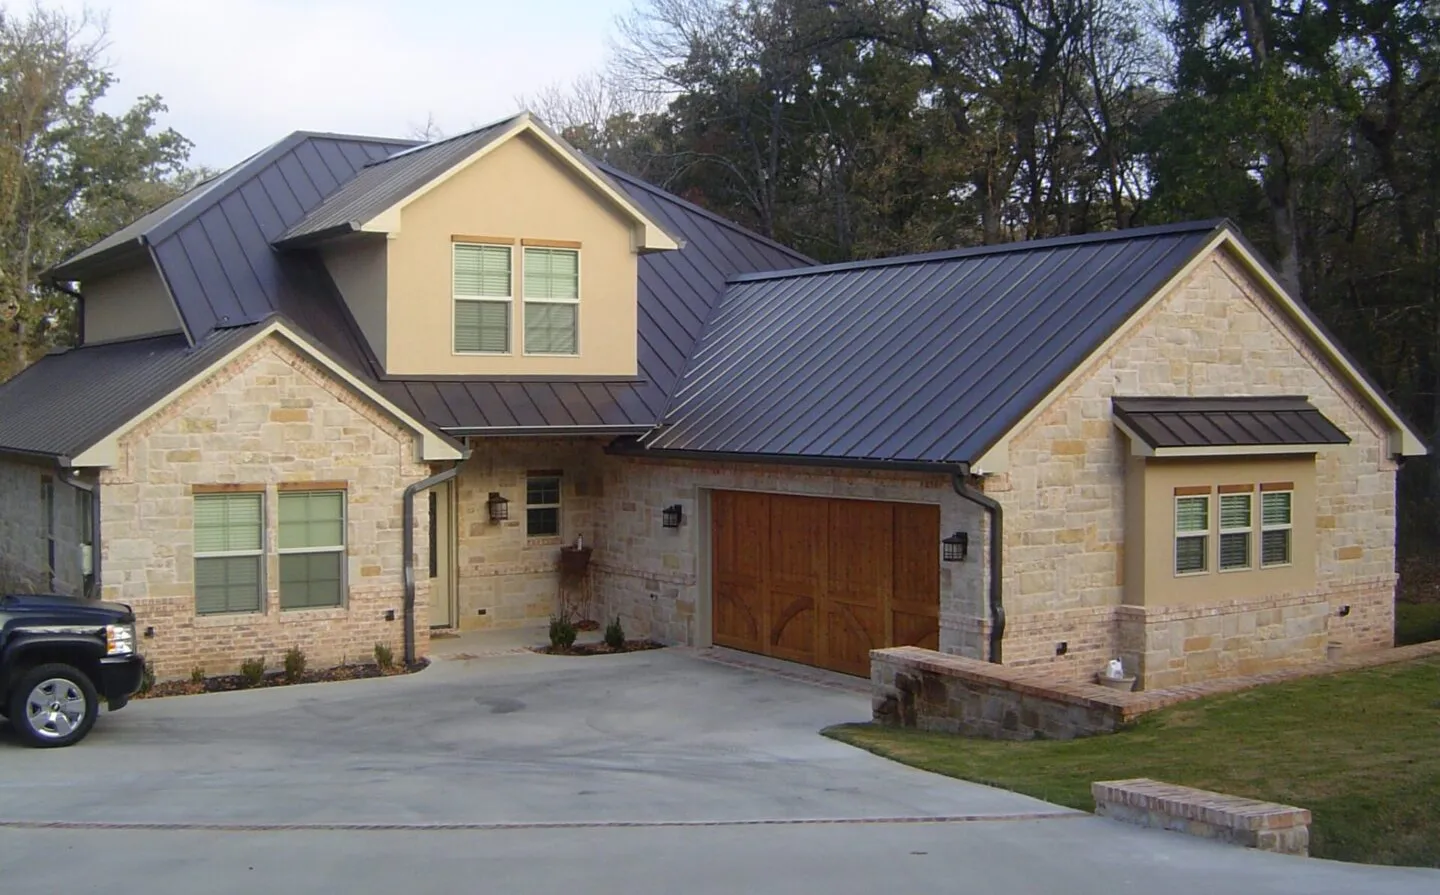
[53,705]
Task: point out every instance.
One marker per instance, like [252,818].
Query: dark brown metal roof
[925,358]
[1227,422]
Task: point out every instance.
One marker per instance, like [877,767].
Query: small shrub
[615,635]
[384,657]
[197,675]
[562,633]
[253,671]
[147,678]
[294,664]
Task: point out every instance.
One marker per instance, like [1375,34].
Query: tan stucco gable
[431,446]
[649,235]
[1403,441]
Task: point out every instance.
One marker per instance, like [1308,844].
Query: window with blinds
[1275,527]
[552,301]
[483,296]
[1236,529]
[1192,534]
[312,549]
[229,552]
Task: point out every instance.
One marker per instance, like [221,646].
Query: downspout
[68,476]
[438,478]
[997,520]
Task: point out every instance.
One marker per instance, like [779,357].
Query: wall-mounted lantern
[498,506]
[671,516]
[956,547]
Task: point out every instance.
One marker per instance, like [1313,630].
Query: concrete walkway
[651,771]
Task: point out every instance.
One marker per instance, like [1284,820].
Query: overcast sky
[239,74]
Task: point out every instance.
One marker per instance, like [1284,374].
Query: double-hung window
[1275,524]
[483,297]
[1236,527]
[542,505]
[1192,533]
[229,552]
[552,301]
[312,549]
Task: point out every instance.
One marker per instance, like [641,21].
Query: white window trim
[507,300]
[343,549]
[1248,531]
[229,554]
[524,300]
[1288,526]
[1178,535]
[556,506]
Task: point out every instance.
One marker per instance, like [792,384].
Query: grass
[1361,750]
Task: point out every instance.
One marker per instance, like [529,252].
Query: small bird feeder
[956,547]
[671,516]
[498,506]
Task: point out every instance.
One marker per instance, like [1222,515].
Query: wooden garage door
[824,581]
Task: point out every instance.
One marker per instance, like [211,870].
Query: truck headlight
[119,640]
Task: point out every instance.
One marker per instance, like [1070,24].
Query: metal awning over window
[1193,427]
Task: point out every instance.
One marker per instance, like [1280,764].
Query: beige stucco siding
[1213,334]
[267,418]
[518,191]
[128,303]
[357,265]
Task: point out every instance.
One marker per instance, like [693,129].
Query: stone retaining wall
[1212,815]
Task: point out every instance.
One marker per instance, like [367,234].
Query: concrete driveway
[646,772]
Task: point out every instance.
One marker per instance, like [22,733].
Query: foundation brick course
[225,430]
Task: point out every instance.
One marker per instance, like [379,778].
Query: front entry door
[442,540]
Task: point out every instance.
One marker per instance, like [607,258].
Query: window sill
[543,541]
[227,619]
[314,612]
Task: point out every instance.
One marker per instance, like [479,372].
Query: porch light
[956,547]
[670,516]
[498,506]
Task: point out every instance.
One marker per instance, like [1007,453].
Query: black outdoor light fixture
[956,547]
[670,516]
[498,506]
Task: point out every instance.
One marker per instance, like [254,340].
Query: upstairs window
[1192,533]
[483,297]
[552,300]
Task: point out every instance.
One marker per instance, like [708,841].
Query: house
[354,389]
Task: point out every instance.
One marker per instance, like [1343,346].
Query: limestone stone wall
[654,578]
[919,688]
[269,417]
[510,577]
[24,551]
[1212,335]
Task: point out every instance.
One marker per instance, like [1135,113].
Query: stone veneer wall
[513,578]
[652,577]
[268,417]
[1214,334]
[23,551]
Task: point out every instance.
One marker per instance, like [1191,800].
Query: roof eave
[303,240]
[76,268]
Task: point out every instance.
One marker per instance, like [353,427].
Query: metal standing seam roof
[386,181]
[68,401]
[1227,422]
[927,359]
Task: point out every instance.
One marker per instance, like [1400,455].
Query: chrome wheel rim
[55,708]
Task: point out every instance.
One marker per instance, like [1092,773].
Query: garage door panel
[823,581]
[741,527]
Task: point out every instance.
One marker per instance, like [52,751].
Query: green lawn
[1361,750]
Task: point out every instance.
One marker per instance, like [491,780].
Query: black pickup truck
[59,656]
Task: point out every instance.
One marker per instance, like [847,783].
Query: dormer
[501,252]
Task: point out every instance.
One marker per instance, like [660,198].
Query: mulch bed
[226,682]
[600,649]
